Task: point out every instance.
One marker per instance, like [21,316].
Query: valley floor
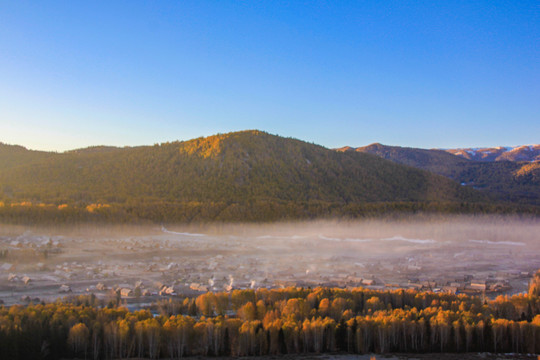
[473,256]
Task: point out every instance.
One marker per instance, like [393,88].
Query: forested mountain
[232,167]
[220,177]
[510,181]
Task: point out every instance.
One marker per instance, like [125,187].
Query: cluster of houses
[467,285]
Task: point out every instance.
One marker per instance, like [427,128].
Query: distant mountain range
[251,175]
[528,153]
[509,174]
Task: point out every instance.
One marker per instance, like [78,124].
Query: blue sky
[410,73]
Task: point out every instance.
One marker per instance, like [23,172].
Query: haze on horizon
[434,75]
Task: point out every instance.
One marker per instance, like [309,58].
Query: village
[159,263]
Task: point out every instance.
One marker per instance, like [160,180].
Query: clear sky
[411,73]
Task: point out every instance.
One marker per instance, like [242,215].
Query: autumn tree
[78,338]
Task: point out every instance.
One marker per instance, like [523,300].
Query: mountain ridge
[530,153]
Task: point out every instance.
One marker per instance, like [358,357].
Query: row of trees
[285,321]
[263,210]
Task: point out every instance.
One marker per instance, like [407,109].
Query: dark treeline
[256,211]
[285,321]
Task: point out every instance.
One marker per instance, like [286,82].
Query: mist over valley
[441,254]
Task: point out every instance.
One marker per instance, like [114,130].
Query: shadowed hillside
[509,181]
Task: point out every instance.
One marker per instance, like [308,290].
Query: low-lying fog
[435,254]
